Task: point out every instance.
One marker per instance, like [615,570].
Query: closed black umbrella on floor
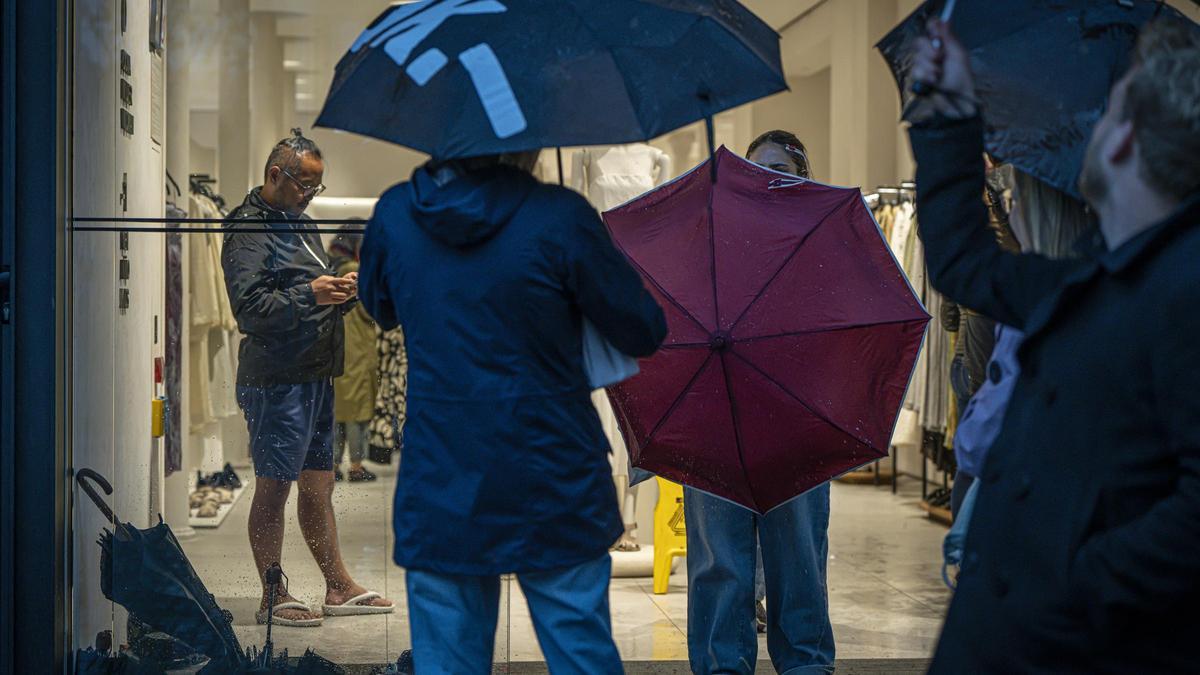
[1043,71]
[147,573]
[463,78]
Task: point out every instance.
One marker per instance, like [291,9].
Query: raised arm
[965,262]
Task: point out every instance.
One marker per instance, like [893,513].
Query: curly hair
[1163,102]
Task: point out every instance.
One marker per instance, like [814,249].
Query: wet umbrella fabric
[792,336]
[147,573]
[1043,71]
[462,78]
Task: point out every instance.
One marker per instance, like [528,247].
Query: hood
[472,207]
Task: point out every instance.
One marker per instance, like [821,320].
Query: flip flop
[261,616]
[352,608]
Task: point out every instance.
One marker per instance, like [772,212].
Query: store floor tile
[885,591]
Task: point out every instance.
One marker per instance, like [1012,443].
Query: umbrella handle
[80,475]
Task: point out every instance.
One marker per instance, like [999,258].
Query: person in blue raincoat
[505,467]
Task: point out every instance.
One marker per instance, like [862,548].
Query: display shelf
[223,511]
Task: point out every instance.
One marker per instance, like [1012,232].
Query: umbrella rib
[802,402]
[678,399]
[818,331]
[737,435]
[787,261]
[712,238]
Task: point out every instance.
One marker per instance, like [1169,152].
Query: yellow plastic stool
[670,535]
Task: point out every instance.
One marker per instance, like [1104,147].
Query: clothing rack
[894,194]
[200,183]
[886,201]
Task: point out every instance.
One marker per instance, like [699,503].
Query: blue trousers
[454,619]
[721,541]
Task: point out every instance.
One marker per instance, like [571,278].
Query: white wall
[805,111]
[113,350]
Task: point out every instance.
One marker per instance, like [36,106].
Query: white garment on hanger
[611,176]
[211,327]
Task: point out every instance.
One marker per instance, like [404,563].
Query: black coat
[1083,554]
[287,337]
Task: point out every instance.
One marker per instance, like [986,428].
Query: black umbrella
[147,573]
[1043,70]
[462,78]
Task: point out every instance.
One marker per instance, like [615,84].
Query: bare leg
[319,526]
[266,537]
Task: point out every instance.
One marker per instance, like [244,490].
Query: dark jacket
[1084,549]
[287,337]
[505,464]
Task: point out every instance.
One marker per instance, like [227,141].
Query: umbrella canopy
[1042,70]
[462,78]
[147,573]
[792,333]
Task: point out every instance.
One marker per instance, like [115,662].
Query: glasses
[306,190]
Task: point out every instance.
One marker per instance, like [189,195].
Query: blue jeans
[454,619]
[721,540]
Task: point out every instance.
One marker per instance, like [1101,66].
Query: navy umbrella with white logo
[464,78]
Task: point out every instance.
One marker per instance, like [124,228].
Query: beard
[1092,184]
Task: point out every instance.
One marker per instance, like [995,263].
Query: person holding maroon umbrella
[737,557]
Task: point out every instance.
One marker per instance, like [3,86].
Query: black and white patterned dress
[390,399]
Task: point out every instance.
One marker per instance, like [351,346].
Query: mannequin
[609,177]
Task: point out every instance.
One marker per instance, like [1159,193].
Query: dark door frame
[34,586]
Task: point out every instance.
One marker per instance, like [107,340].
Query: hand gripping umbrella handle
[924,88]
[80,475]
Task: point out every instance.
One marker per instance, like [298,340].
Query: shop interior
[176,105]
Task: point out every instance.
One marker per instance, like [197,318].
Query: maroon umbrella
[793,333]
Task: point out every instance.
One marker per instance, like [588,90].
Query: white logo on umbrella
[406,27]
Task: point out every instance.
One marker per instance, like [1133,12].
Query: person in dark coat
[505,466]
[1083,553]
[289,305]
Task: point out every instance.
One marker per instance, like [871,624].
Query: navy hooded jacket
[505,464]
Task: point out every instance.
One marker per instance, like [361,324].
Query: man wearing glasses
[289,306]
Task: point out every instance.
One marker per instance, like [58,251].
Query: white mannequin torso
[611,176]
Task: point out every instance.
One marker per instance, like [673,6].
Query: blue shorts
[291,428]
